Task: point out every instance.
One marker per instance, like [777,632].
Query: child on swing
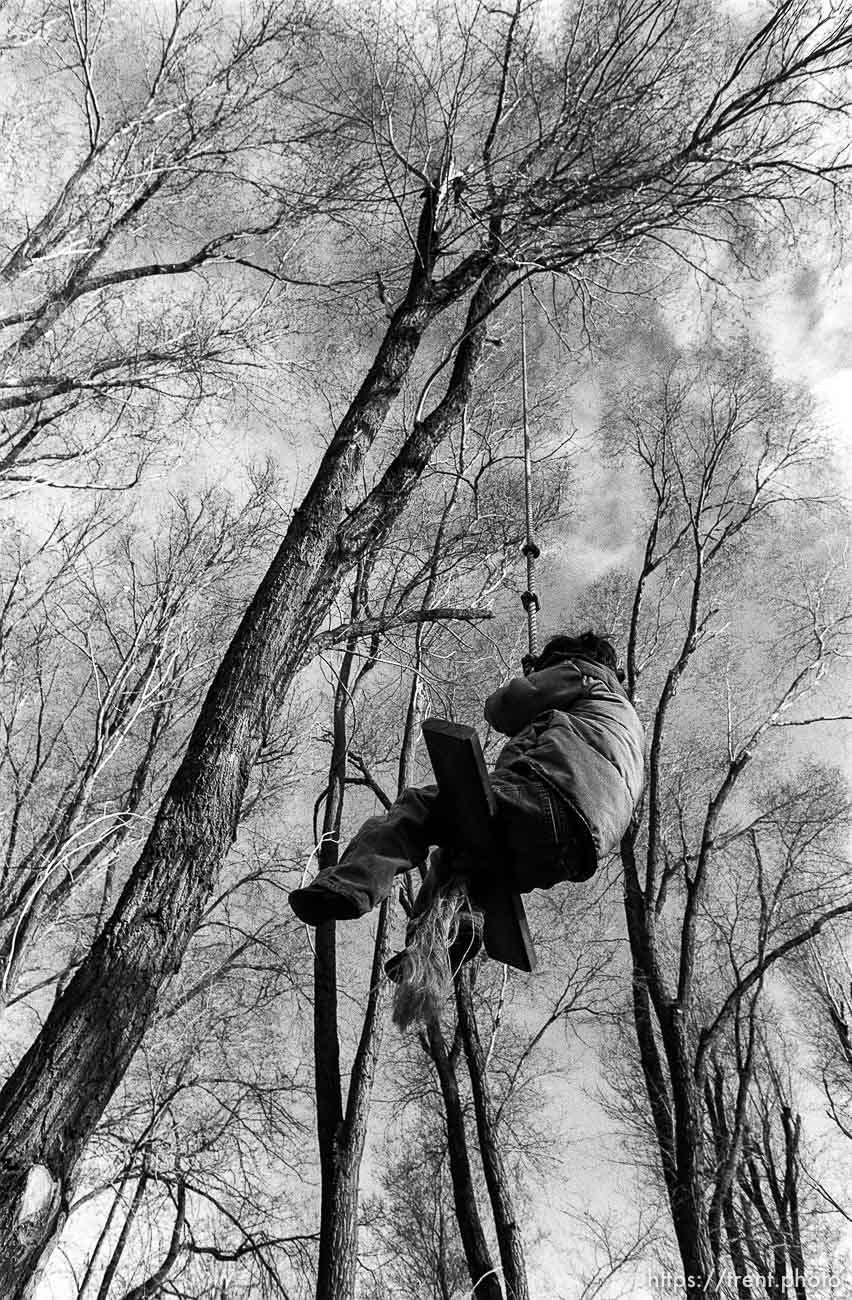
[566,786]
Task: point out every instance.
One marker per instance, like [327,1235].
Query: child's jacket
[574,726]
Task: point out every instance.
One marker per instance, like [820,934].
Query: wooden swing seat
[470,807]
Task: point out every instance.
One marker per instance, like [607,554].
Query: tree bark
[673,1093]
[509,1238]
[483,1276]
[342,1136]
[689,1214]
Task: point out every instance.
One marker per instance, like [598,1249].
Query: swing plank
[468,800]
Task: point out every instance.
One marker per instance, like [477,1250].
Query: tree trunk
[342,1146]
[509,1238]
[342,1137]
[338,1251]
[672,1093]
[483,1276]
[689,1213]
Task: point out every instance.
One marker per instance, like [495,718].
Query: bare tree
[821,978]
[483,1093]
[513,160]
[414,1225]
[183,1180]
[829,985]
[726,874]
[105,643]
[152,270]
[763,1203]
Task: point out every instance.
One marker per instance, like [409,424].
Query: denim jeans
[544,840]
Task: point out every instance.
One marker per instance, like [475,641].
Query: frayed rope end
[426,979]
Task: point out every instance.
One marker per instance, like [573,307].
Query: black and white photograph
[425,641]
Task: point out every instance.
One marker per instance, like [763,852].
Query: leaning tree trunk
[55,1098]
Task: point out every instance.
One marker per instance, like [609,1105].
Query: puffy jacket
[573,725]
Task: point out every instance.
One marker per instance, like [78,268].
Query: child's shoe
[317,903]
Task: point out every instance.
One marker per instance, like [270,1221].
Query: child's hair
[588,644]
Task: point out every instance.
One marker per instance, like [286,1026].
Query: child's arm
[515,705]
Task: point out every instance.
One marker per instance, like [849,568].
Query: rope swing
[530,551]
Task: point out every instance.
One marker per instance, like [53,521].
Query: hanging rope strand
[531,551]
